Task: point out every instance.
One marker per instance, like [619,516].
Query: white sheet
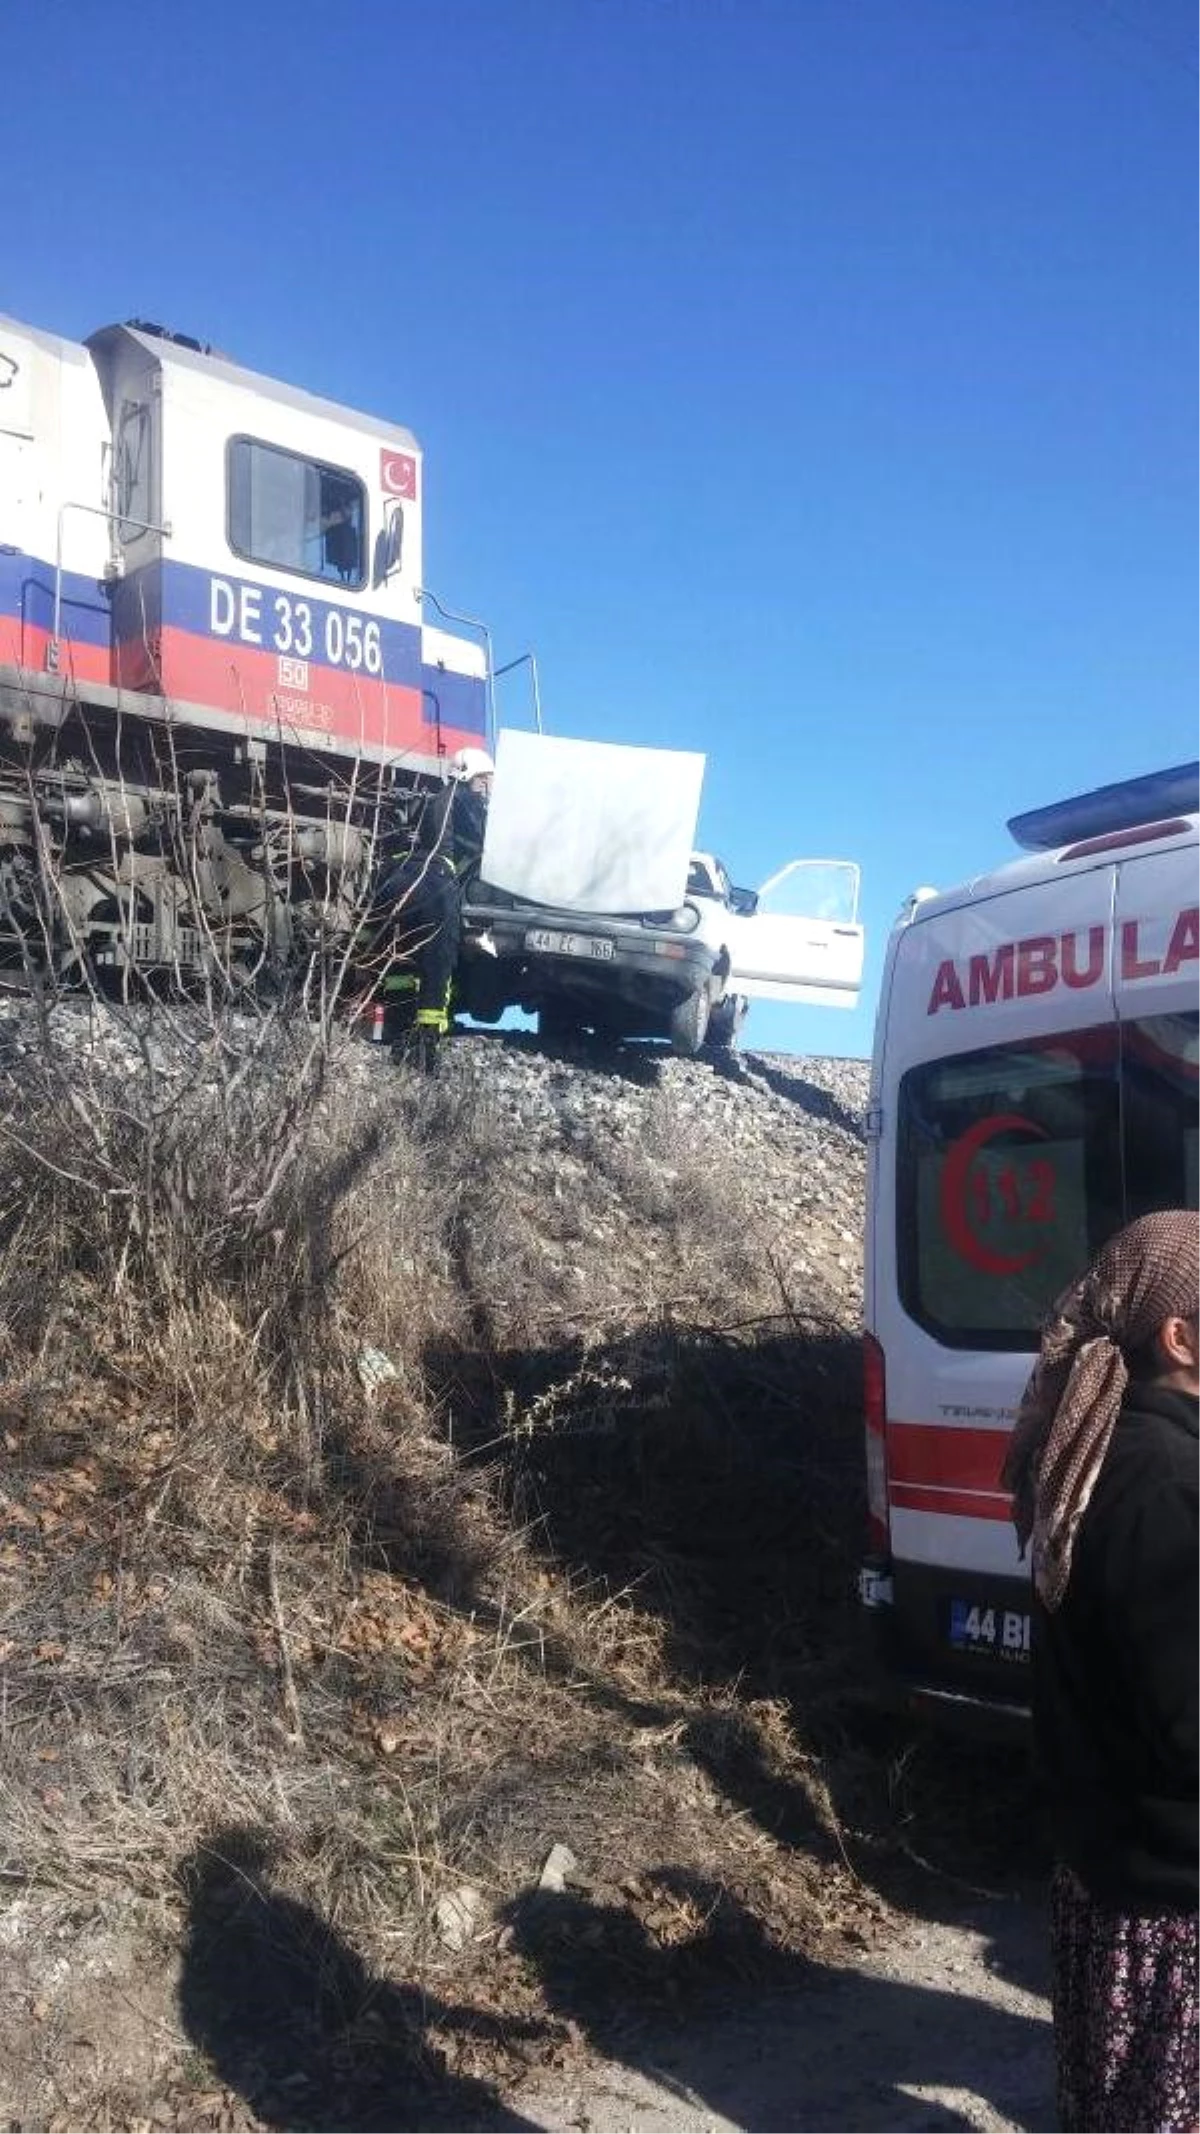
[591,826]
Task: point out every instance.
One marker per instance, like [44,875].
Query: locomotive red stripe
[353,710]
[23,644]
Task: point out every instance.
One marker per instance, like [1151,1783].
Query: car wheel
[724,1022]
[689,1025]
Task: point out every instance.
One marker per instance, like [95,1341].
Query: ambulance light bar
[1111,808]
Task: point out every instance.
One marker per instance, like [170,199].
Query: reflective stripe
[420,860]
[955,1503]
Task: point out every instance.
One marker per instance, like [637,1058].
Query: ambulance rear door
[998,1171]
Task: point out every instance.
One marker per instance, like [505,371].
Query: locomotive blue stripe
[27,593]
[294,623]
[246,614]
[249,611]
[456,700]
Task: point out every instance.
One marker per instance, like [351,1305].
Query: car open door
[804,942]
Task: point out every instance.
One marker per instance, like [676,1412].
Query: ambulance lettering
[992,980]
[1183,947]
[1043,962]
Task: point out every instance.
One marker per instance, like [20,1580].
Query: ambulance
[1033,1089]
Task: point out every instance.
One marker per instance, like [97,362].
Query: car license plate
[544,941]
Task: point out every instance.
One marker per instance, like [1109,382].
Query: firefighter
[422,891]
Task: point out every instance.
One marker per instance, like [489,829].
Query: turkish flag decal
[397,473]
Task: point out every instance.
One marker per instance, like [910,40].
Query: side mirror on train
[390,546]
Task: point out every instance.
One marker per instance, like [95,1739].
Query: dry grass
[570,1565]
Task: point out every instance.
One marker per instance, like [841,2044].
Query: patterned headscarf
[1146,1274]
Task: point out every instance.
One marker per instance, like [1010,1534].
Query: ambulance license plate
[977,1626]
[545,941]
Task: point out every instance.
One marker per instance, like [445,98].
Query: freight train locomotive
[215,663]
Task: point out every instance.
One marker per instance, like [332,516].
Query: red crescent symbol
[952,1195]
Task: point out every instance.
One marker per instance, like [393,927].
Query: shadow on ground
[718,1479]
[716,1475]
[783,2042]
[796,1088]
[690,2005]
[289,2017]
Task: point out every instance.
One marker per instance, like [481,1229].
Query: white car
[685,975]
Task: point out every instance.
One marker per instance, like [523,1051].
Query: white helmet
[472,763]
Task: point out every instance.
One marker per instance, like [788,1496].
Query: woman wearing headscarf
[1103,1471]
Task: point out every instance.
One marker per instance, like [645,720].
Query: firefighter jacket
[447,837]
[452,825]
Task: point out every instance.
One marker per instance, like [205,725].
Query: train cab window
[296,514]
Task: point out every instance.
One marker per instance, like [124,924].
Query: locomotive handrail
[473,623]
[95,511]
[528,659]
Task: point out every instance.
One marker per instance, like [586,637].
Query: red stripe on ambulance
[947,1468]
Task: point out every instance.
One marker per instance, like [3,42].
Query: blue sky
[811,382]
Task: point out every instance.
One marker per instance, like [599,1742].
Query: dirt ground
[944,2024]
[941,2023]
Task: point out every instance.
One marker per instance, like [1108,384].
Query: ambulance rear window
[1160,1129]
[1016,1163]
[296,514]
